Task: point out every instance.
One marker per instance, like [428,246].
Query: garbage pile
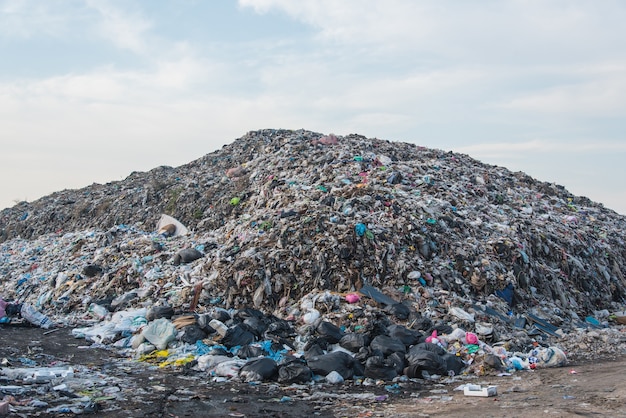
[288,255]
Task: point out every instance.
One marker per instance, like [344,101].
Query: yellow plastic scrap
[178,362]
[155,355]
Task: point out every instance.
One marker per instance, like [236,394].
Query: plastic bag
[35,317]
[238,335]
[294,371]
[387,345]
[208,362]
[187,255]
[334,378]
[549,357]
[251,351]
[342,363]
[229,368]
[192,333]
[160,332]
[354,341]
[407,336]
[259,370]
[280,328]
[257,326]
[435,348]
[331,332]
[315,347]
[471,338]
[399,310]
[420,359]
[454,364]
[422,323]
[378,368]
[100,334]
[398,361]
[461,314]
[157,312]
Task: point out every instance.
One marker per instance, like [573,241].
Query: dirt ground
[122,387]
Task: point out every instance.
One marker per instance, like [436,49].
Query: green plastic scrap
[472,348]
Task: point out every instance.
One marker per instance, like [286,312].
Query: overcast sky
[91,90]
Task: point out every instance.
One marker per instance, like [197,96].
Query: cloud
[24,19]
[520,150]
[506,28]
[123,28]
[599,92]
[32,19]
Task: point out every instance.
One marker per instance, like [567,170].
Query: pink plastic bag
[471,338]
[433,338]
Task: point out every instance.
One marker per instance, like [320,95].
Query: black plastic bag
[425,360]
[378,327]
[331,332]
[435,348]
[242,314]
[364,353]
[454,364]
[354,341]
[407,336]
[238,335]
[387,345]
[494,362]
[442,329]
[250,351]
[280,328]
[294,371]
[259,370]
[313,351]
[376,367]
[422,323]
[157,312]
[192,333]
[339,361]
[256,325]
[203,322]
[399,310]
[221,315]
[187,255]
[398,361]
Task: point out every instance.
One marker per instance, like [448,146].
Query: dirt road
[121,387]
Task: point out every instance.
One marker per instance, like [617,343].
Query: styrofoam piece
[478,390]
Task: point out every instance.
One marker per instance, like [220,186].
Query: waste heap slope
[278,214]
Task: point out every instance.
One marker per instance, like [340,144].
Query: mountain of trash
[279,214]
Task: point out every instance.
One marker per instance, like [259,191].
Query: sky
[92,90]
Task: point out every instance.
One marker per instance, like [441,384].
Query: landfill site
[297,273]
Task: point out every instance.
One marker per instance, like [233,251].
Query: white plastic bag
[35,317]
[160,332]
